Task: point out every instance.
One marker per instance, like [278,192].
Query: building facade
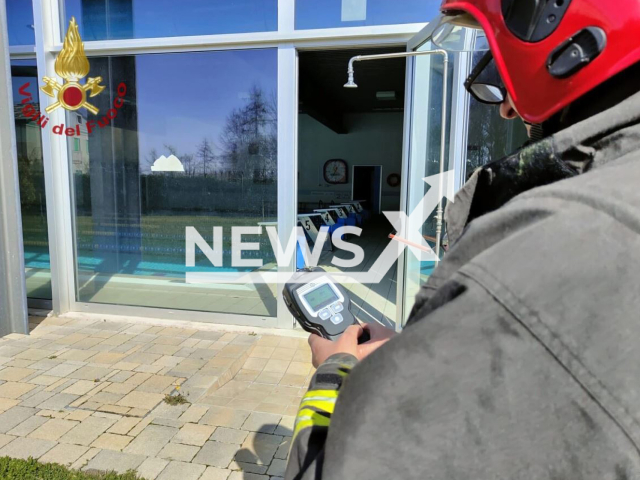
[223,114]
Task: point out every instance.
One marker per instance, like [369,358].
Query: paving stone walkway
[90,395]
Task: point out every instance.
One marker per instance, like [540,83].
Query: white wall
[373,139]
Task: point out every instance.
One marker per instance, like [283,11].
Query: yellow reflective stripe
[308,413]
[323,405]
[321,393]
[344,373]
[314,419]
[306,418]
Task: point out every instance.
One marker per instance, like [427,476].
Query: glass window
[76,145]
[24,82]
[118,19]
[20,22]
[181,140]
[356,13]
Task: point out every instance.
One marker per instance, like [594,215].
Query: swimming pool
[158,265]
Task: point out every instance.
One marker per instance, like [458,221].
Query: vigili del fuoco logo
[72,65]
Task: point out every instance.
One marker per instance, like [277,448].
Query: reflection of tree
[27,186]
[249,143]
[186,159]
[236,176]
[205,155]
[189,164]
[249,138]
[488,135]
[151,157]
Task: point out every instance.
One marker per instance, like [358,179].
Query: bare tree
[249,137]
[205,155]
[171,149]
[189,164]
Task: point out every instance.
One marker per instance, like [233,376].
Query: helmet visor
[459,34]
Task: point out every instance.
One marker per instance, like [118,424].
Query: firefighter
[519,359]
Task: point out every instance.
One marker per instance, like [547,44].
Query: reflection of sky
[328,13]
[185,97]
[170,18]
[20,19]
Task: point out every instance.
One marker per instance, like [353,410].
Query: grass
[18,469]
[178,399]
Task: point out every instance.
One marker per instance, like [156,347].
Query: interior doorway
[349,142]
[367,186]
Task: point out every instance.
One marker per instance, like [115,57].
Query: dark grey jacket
[521,359]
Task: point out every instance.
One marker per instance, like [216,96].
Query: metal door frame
[459,111]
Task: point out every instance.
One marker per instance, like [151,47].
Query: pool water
[160,266]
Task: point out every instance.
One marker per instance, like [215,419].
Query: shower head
[351,82]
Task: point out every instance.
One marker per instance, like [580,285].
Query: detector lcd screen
[320,297]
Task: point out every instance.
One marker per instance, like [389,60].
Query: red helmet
[551,52]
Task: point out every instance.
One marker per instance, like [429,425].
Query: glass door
[423,144]
[152,172]
[474,134]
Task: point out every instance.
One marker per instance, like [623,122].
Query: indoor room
[350,149]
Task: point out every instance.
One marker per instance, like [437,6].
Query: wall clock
[335,171]
[393,180]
